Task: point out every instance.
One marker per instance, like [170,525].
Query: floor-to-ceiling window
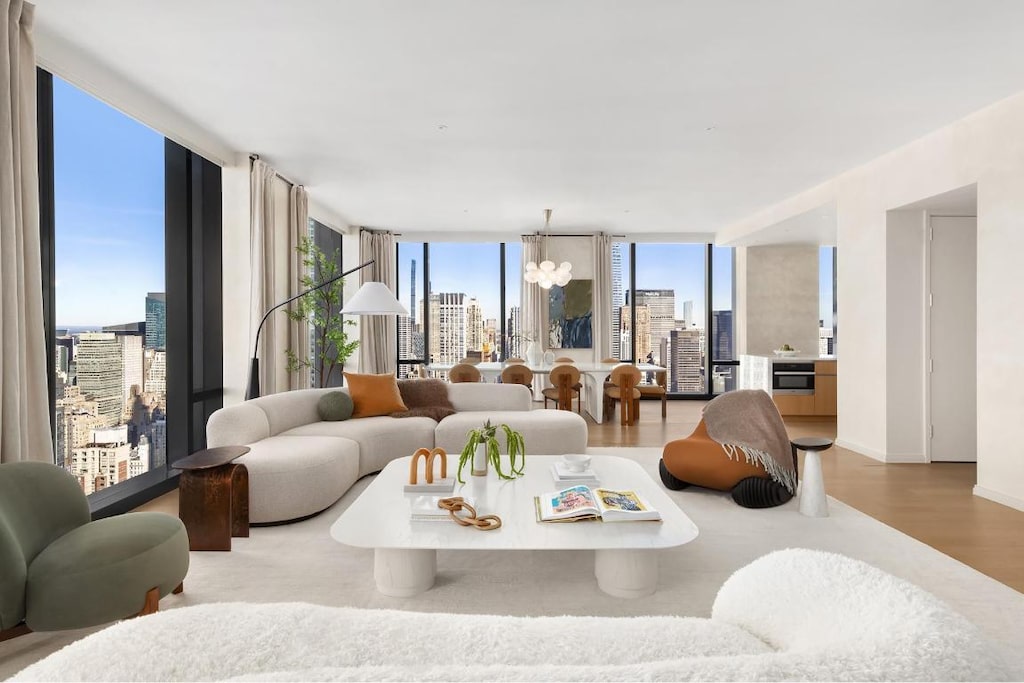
[671,325]
[464,302]
[720,343]
[826,301]
[130,229]
[111,354]
[412,328]
[515,342]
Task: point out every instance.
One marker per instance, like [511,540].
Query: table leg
[813,501]
[402,573]
[240,502]
[626,573]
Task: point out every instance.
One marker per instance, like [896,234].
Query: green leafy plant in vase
[487,437]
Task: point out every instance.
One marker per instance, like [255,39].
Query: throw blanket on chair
[748,421]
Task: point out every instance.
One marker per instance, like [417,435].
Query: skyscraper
[514,346]
[156,320]
[131,359]
[100,369]
[643,331]
[662,306]
[685,362]
[618,299]
[156,373]
[688,320]
[448,326]
[721,335]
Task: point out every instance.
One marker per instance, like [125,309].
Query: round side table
[813,501]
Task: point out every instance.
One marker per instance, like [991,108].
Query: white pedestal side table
[813,501]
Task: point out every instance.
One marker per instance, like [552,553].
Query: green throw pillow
[334,406]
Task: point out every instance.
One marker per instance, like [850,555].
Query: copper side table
[213,497]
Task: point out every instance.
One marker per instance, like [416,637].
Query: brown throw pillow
[374,394]
[425,398]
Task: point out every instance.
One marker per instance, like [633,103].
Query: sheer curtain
[532,296]
[602,317]
[24,400]
[378,334]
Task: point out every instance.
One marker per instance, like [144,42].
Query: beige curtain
[378,334]
[602,317]
[298,335]
[532,295]
[262,294]
[24,401]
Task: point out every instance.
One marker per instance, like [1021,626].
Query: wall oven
[792,378]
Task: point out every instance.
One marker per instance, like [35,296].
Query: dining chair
[564,378]
[624,379]
[517,374]
[659,390]
[463,372]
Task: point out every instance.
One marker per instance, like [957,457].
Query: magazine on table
[578,503]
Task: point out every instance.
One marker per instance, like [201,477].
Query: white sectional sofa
[299,465]
[792,615]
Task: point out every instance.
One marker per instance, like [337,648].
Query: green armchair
[59,570]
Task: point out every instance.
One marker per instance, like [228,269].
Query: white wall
[905,335]
[778,298]
[986,148]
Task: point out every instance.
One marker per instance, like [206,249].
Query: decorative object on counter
[740,445]
[786,351]
[443,484]
[813,501]
[485,441]
[457,504]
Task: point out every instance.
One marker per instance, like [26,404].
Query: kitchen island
[818,398]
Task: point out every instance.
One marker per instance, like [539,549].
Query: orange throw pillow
[374,394]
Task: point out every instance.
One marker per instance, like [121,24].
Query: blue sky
[109,196]
[109,187]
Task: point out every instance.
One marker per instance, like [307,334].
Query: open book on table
[582,502]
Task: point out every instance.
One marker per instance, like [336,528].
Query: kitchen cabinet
[825,388]
[794,404]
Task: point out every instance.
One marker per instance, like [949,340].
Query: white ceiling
[653,116]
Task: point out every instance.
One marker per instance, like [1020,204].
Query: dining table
[593,374]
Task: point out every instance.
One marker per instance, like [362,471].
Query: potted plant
[322,308]
[482,446]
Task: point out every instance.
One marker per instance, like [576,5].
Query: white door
[953,339]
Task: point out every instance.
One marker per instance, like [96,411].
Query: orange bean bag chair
[699,460]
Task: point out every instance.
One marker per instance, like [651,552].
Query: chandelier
[547,273]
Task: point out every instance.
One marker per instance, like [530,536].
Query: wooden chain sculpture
[457,504]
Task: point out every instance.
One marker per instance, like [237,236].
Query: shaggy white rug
[301,563]
[791,615]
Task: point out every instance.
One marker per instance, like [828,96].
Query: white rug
[300,562]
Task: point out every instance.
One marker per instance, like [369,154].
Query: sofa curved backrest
[39,503]
[848,611]
[263,417]
[487,396]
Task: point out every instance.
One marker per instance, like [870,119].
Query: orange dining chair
[564,378]
[517,374]
[659,390]
[624,379]
[463,372]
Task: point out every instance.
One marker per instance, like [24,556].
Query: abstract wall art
[570,315]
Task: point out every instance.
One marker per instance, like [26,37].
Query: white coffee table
[405,551]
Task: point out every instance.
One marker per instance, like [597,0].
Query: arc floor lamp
[372,298]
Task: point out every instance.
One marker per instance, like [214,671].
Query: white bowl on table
[576,463]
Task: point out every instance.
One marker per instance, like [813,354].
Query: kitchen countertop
[791,359]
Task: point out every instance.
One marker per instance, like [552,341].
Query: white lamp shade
[565,265]
[374,298]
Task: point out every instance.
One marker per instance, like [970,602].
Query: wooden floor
[933,503]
